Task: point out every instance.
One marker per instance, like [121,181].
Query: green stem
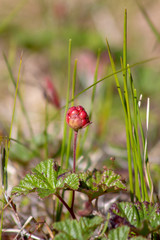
[67,103]
[13,113]
[46,132]
[19,96]
[92,101]
[59,208]
[70,130]
[74,150]
[74,163]
[102,79]
[7,147]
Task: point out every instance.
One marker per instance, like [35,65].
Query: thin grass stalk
[46,130]
[74,164]
[72,104]
[129,135]
[127,130]
[136,139]
[67,104]
[115,76]
[101,80]
[7,147]
[13,113]
[19,96]
[146,160]
[59,208]
[71,195]
[129,120]
[92,100]
[4,180]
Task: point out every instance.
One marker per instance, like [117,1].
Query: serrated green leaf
[63,236]
[143,218]
[120,233]
[97,183]
[47,178]
[74,230]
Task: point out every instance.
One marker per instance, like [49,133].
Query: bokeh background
[41,30]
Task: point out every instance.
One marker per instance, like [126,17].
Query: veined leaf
[122,233]
[97,183]
[47,178]
[74,230]
[142,218]
[119,233]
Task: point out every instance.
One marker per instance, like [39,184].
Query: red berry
[77,118]
[74,112]
[71,109]
[79,108]
[83,115]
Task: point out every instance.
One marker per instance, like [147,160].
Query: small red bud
[77,118]
[50,92]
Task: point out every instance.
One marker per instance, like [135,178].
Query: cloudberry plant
[77,118]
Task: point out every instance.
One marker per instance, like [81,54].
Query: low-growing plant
[138,219]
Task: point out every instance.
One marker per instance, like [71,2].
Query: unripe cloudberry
[77,118]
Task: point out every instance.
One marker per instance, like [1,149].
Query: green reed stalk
[46,129]
[136,138]
[19,96]
[71,195]
[92,100]
[67,104]
[72,104]
[13,113]
[127,128]
[102,79]
[64,141]
[137,162]
[7,147]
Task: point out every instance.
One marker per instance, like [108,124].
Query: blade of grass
[19,96]
[110,75]
[127,129]
[70,138]
[102,79]
[67,104]
[46,130]
[92,100]
[146,160]
[59,208]
[7,147]
[136,141]
[72,104]
[128,111]
[4,181]
[13,113]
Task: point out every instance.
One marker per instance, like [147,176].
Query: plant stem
[66,205]
[74,151]
[45,131]
[74,163]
